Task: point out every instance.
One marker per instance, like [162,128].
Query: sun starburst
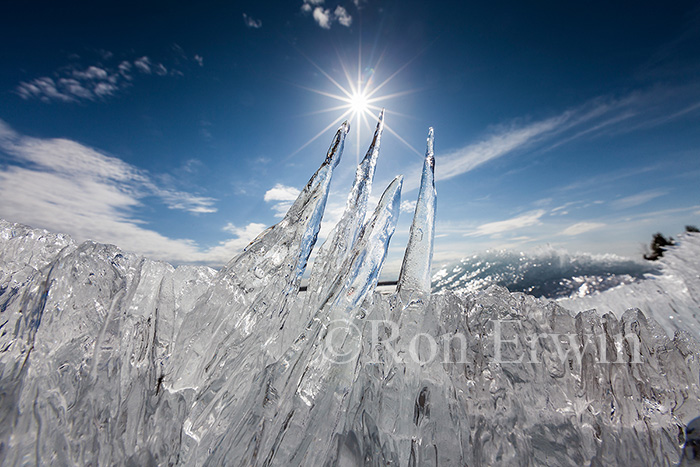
[358,101]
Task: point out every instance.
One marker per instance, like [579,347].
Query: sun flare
[359,101]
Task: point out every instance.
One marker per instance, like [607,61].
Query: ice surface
[543,272]
[672,296]
[108,358]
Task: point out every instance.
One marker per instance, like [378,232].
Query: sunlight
[357,101]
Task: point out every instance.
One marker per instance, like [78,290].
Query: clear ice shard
[335,250]
[254,286]
[108,358]
[415,276]
[292,413]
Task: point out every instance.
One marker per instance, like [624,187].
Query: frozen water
[544,272]
[110,358]
[414,278]
[671,296]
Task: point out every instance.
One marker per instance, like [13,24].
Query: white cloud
[92,72]
[581,227]
[243,236]
[184,201]
[44,89]
[74,88]
[143,64]
[73,84]
[323,17]
[64,186]
[252,22]
[105,89]
[591,118]
[124,68]
[509,225]
[281,193]
[161,70]
[342,16]
[282,196]
[408,206]
[636,200]
[199,60]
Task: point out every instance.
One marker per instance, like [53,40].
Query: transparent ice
[108,358]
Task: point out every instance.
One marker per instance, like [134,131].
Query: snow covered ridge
[672,296]
[545,272]
[110,358]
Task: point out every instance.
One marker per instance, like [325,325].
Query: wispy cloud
[466,159]
[65,186]
[594,118]
[252,22]
[503,141]
[637,200]
[143,64]
[512,225]
[74,83]
[607,178]
[73,161]
[581,227]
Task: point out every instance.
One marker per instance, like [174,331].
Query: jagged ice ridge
[108,358]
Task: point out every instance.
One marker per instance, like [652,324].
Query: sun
[359,103]
[359,100]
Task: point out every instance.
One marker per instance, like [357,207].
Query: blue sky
[181,131]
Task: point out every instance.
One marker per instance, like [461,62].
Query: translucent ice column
[292,416]
[414,279]
[336,249]
[256,283]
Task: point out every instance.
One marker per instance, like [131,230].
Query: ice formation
[671,296]
[543,272]
[110,358]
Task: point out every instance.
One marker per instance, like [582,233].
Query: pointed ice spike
[308,387]
[344,235]
[366,261]
[414,279]
[355,280]
[257,282]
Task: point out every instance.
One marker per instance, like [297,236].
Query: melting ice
[111,358]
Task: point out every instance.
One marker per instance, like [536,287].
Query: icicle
[256,283]
[414,279]
[366,262]
[286,418]
[336,248]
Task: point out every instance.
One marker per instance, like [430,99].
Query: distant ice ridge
[110,358]
[672,296]
[545,272]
